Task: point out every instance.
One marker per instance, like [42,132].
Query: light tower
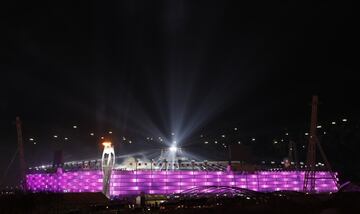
[107,164]
[309,180]
[310,173]
[21,153]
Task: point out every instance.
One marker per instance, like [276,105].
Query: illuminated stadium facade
[134,182]
[170,182]
[171,174]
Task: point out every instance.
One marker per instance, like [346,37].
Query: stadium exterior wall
[124,183]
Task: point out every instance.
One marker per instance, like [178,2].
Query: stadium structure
[174,174]
[166,177]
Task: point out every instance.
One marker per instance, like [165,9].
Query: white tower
[107,163]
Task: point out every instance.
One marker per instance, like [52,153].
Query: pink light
[162,182]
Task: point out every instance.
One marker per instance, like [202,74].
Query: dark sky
[149,68]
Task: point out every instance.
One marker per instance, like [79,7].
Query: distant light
[324,132]
[173,148]
[303,146]
[286,134]
[275,142]
[215,142]
[235,129]
[55,136]
[333,123]
[110,132]
[282,140]
[174,142]
[31,139]
[65,138]
[201,136]
[344,120]
[92,134]
[223,136]
[206,142]
[34,143]
[130,141]
[239,142]
[147,138]
[74,127]
[253,139]
[124,138]
[102,138]
[172,133]
[319,127]
[306,134]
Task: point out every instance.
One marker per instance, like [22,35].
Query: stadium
[171,174]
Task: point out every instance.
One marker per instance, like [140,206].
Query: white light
[324,132]
[130,141]
[319,127]
[223,136]
[31,139]
[34,143]
[206,142]
[275,142]
[252,139]
[110,132]
[344,120]
[124,138]
[92,134]
[102,138]
[239,142]
[306,134]
[333,123]
[215,142]
[173,149]
[174,142]
[55,136]
[172,133]
[286,134]
[65,138]
[74,127]
[235,129]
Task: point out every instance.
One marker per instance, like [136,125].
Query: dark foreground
[280,202]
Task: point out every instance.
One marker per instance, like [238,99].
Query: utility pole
[21,153]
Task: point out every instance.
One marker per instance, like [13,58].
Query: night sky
[149,68]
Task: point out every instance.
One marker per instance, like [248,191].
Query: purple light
[161,182]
